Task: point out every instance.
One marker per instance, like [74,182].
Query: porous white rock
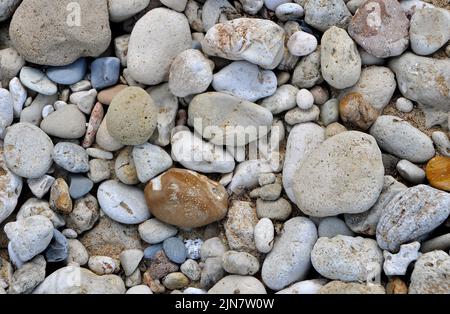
[397,264]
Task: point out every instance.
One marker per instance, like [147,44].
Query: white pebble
[442,142]
[397,264]
[410,172]
[289,11]
[404,105]
[302,44]
[305,100]
[47,110]
[264,235]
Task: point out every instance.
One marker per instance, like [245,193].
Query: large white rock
[157,38]
[255,40]
[195,154]
[344,175]
[123,203]
[289,260]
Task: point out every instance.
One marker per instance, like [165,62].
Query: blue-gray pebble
[105,72]
[150,252]
[68,74]
[175,250]
[80,186]
[58,250]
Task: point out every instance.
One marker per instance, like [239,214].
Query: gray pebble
[278,210]
[71,157]
[332,226]
[240,263]
[40,186]
[154,231]
[175,250]
[79,186]
[410,172]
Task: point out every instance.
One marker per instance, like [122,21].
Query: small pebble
[302,44]
[58,249]
[404,105]
[105,72]
[79,186]
[410,172]
[289,11]
[175,250]
[68,74]
[264,235]
[37,81]
[305,100]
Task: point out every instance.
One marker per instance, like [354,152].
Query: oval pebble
[175,250]
[71,157]
[37,81]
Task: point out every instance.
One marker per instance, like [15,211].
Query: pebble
[19,95]
[266,179]
[356,112]
[167,103]
[37,81]
[10,64]
[33,207]
[93,126]
[195,154]
[428,30]
[400,138]
[425,81]
[441,142]
[289,11]
[265,46]
[430,274]
[404,105]
[397,264]
[193,248]
[190,73]
[238,284]
[320,94]
[439,243]
[212,272]
[438,173]
[323,15]
[28,277]
[47,110]
[120,11]
[79,186]
[33,113]
[183,206]
[304,99]
[347,258]
[40,186]
[6,111]
[308,72]
[340,60]
[283,99]
[301,44]
[332,226]
[81,85]
[366,222]
[360,183]
[102,265]
[175,281]
[213,247]
[150,160]
[66,123]
[150,252]
[240,226]
[69,233]
[273,4]
[410,172]
[150,55]
[29,237]
[27,150]
[130,259]
[154,231]
[304,287]
[35,38]
[246,175]
[329,112]
[191,269]
[77,280]
[71,157]
[264,235]
[299,116]
[333,129]
[99,153]
[107,95]
[426,208]
[99,170]
[376,84]
[245,80]
[105,72]
[381,28]
[339,287]
[58,249]
[84,100]
[289,260]
[124,167]
[131,118]
[139,289]
[11,189]
[215,11]
[160,266]
[84,215]
[240,263]
[122,203]
[279,210]
[69,74]
[270,192]
[59,197]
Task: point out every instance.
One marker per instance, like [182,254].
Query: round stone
[305,100]
[344,175]
[28,150]
[71,157]
[131,118]
[175,250]
[301,44]
[186,199]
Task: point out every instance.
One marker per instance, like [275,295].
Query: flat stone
[68,74]
[67,123]
[154,231]
[175,250]
[79,186]
[71,157]
[150,160]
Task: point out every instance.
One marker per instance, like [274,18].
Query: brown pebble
[60,198]
[438,173]
[396,286]
[356,112]
[106,96]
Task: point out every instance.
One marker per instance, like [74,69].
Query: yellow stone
[438,172]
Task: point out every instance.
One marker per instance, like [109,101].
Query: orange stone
[186,199]
[396,286]
[106,96]
[356,112]
[438,173]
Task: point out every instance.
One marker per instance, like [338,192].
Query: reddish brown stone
[186,199]
[106,96]
[357,112]
[160,266]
